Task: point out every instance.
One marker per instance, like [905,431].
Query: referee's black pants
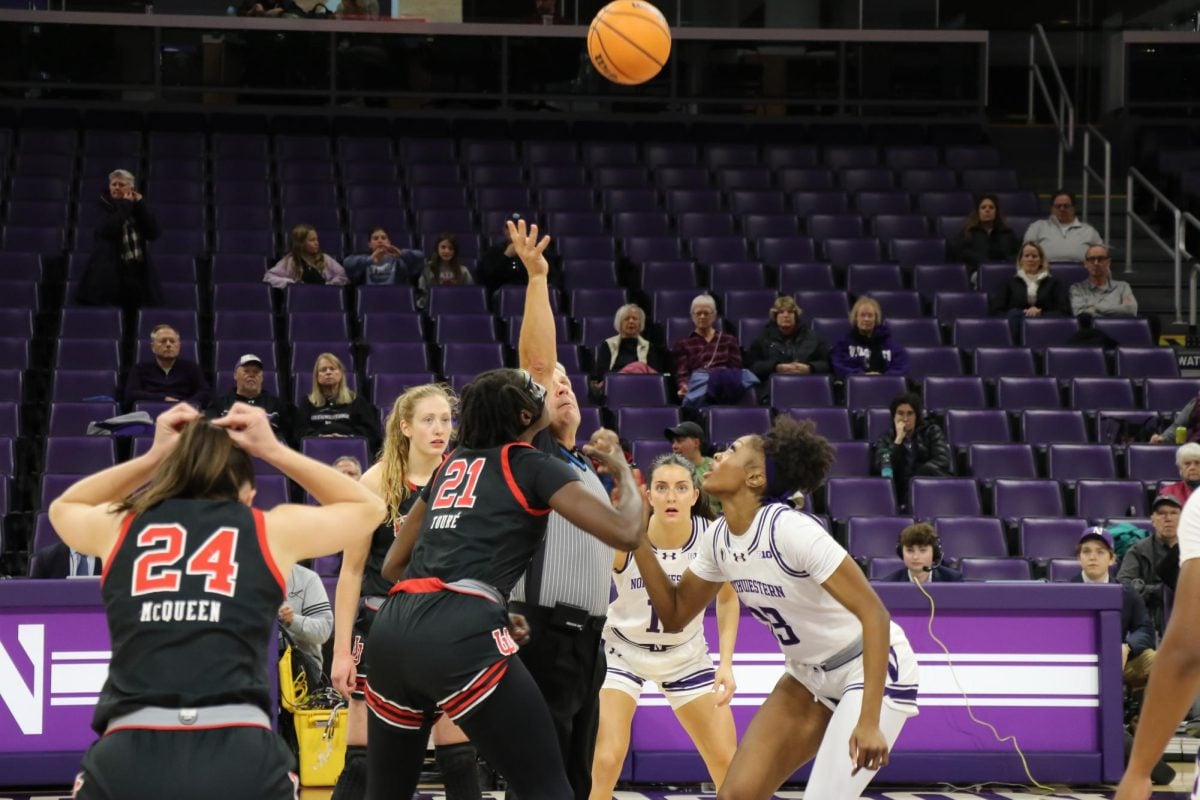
[568,666]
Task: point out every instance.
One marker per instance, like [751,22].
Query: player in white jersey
[638,649]
[1175,679]
[851,677]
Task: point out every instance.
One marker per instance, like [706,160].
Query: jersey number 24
[214,559]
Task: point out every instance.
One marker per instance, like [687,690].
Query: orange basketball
[629,41]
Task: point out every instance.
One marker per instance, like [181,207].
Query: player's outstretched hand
[868,748]
[168,425]
[249,428]
[343,674]
[528,248]
[612,459]
[724,685]
[1134,788]
[518,628]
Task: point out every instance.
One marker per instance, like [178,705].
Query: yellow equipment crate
[322,744]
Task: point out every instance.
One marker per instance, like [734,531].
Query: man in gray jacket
[1062,236]
[1100,295]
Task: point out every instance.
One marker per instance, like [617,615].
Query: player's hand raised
[528,248]
[868,748]
[168,426]
[249,428]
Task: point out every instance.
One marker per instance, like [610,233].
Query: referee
[564,595]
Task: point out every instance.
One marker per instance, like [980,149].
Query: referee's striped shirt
[576,567]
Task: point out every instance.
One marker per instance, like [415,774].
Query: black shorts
[436,653]
[235,763]
[367,609]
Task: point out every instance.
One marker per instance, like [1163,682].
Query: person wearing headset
[921,550]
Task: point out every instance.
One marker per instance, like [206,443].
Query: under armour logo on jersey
[669,556]
[738,556]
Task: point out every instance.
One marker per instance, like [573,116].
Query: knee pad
[352,783]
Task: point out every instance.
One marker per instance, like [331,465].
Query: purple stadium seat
[456,300]
[510,302]
[896,225]
[995,569]
[634,390]
[878,568]
[783,156]
[1075,462]
[10,428]
[562,330]
[879,422]
[910,252]
[328,450]
[31,187]
[842,252]
[243,324]
[872,391]
[991,461]
[1146,362]
[865,278]
[972,537]
[11,385]
[910,156]
[371,149]
[304,357]
[1040,334]
[971,156]
[1170,394]
[750,329]
[44,240]
[788,391]
[974,426]
[577,198]
[243,243]
[991,180]
[639,249]
[925,362]
[645,422]
[596,302]
[668,303]
[587,247]
[874,537]
[796,277]
[19,294]
[90,323]
[184,322]
[860,497]
[850,156]
[459,358]
[997,362]
[833,423]
[500,176]
[316,326]
[951,391]
[386,387]
[627,224]
[379,199]
[300,297]
[944,203]
[807,202]
[465,328]
[1020,393]
[868,180]
[72,354]
[1127,332]
[679,201]
[949,306]
[911,330]
[1100,499]
[787,249]
[1065,363]
[725,424]
[432,174]
[944,497]
[928,179]
[79,455]
[52,487]
[1062,570]
[1045,538]
[646,450]
[1150,463]
[17,323]
[718,249]
[39,214]
[386,298]
[21,266]
[590,273]
[620,176]
[835,226]
[828,329]
[1018,204]
[615,152]
[690,176]
[81,385]
[662,154]
[724,155]
[850,460]
[1090,394]
[1053,426]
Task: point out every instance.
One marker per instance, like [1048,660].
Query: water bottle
[885,463]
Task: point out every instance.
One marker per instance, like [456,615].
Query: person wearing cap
[687,440]
[248,388]
[1097,555]
[166,378]
[1141,566]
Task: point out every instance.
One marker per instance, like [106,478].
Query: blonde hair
[867,301]
[298,257]
[1043,266]
[783,303]
[394,453]
[342,395]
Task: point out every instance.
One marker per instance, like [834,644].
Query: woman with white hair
[708,362]
[119,271]
[628,351]
[1187,458]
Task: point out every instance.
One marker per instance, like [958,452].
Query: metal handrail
[1064,116]
[1105,180]
[1175,251]
[1188,219]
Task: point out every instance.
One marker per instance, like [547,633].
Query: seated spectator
[1033,292]
[444,268]
[1187,418]
[248,388]
[985,236]
[687,440]
[332,408]
[608,440]
[628,351]
[386,264]
[1140,568]
[1100,295]
[1187,458]
[921,550]
[499,265]
[914,447]
[545,12]
[1063,236]
[868,349]
[1097,556]
[168,378]
[786,346]
[708,362]
[349,466]
[306,613]
[60,561]
[119,271]
[305,263]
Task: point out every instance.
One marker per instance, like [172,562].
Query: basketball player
[851,678]
[416,435]
[193,580]
[441,643]
[1175,679]
[638,649]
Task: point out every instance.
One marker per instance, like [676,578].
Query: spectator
[1100,295]
[248,388]
[786,346]
[119,271]
[914,447]
[628,351]
[305,263]
[1187,458]
[306,613]
[444,267]
[1063,236]
[608,440]
[1033,292]
[386,264]
[60,561]
[687,440]
[332,408]
[1140,566]
[1187,418]
[168,378]
[868,349]
[500,265]
[349,466]
[985,236]
[708,363]
[921,550]
[545,12]
[1097,556]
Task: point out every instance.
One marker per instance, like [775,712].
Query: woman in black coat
[786,347]
[119,272]
[1032,292]
[985,236]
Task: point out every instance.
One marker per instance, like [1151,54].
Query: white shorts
[681,673]
[899,691]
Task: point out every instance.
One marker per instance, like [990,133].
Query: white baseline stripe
[75,701]
[81,655]
[1030,658]
[658,701]
[77,678]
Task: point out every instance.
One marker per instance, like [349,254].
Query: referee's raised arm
[536,349]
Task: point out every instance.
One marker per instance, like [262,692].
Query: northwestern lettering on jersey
[181,611]
[756,587]
[640,583]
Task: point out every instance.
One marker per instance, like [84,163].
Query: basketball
[629,41]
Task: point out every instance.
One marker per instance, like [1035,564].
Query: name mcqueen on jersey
[181,611]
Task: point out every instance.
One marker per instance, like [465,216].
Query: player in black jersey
[417,433]
[193,580]
[441,644]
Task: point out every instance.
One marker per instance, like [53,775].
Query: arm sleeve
[1129,309]
[760,364]
[819,362]
[939,449]
[304,419]
[805,546]
[335,273]
[538,475]
[133,387]
[898,365]
[200,388]
[1183,417]
[735,352]
[998,300]
[1078,301]
[147,223]
[705,564]
[113,219]
[313,623]
[277,276]
[1060,299]
[682,371]
[842,363]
